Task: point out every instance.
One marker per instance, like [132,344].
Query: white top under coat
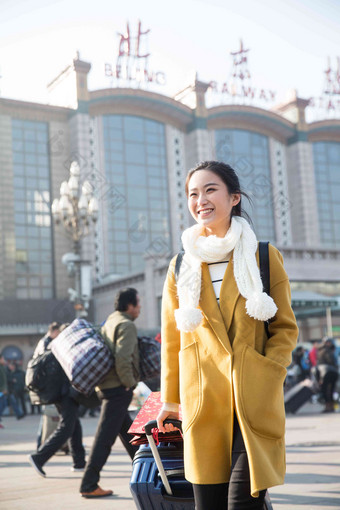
[217,271]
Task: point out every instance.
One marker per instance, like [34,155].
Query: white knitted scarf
[198,249]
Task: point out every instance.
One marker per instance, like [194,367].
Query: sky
[288,41]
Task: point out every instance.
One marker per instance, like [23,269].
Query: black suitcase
[157,481]
[299,395]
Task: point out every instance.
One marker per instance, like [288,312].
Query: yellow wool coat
[229,365]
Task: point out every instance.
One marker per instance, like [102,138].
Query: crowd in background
[12,389]
[321,364]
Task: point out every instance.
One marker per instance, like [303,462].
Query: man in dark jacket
[13,384]
[19,387]
[116,390]
[69,426]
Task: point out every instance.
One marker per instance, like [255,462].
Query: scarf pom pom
[188,319]
[261,306]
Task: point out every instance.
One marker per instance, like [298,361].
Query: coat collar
[219,317]
[229,293]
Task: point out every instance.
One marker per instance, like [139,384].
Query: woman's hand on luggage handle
[168,427]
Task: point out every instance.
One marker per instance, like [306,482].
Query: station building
[135,148]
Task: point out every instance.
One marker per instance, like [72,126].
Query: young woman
[217,361]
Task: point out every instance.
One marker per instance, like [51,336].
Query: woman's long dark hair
[230,179]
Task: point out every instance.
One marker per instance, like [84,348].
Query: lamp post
[76,209]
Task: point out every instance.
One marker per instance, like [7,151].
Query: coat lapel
[229,294]
[211,310]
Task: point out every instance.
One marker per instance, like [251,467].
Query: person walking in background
[328,373]
[19,388]
[12,385]
[313,354]
[301,368]
[52,333]
[69,426]
[115,391]
[217,360]
[3,388]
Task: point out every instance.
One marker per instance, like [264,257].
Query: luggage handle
[148,431]
[153,424]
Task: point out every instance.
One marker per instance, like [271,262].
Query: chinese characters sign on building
[240,63]
[329,100]
[132,62]
[239,84]
[332,85]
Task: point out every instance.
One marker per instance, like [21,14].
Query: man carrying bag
[115,390]
[69,426]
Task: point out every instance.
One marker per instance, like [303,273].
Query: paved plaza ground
[312,481]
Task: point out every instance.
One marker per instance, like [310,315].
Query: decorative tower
[69,88]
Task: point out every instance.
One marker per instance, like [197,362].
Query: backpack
[45,379]
[149,350]
[264,271]
[149,358]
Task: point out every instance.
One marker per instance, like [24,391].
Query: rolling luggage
[298,395]
[157,480]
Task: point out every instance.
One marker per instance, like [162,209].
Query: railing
[310,253]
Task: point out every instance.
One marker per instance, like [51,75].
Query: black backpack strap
[264,272]
[178,264]
[264,266]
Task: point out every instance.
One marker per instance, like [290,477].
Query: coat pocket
[262,396]
[190,384]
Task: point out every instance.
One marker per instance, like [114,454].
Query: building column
[8,247]
[150,304]
[178,211]
[302,194]
[301,177]
[281,202]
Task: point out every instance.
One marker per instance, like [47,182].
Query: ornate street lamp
[76,209]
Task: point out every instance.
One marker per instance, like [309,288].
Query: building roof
[306,299]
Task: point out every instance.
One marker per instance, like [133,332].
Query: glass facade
[248,153]
[327,180]
[135,169]
[31,182]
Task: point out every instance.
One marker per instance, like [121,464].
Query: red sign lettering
[132,60]
[248,92]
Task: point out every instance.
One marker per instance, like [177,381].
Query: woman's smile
[204,213]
